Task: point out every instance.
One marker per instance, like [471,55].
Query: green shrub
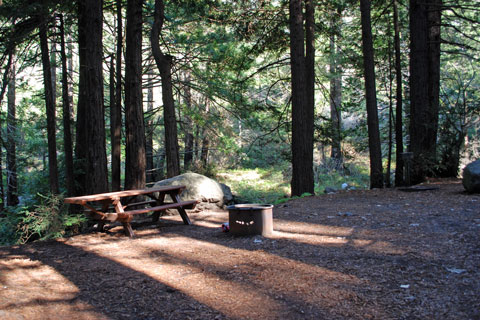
[8,229]
[47,220]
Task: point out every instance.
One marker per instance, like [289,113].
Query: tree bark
[388,183]
[302,113]
[376,175]
[2,94]
[12,189]
[67,110]
[196,138]
[434,20]
[399,180]
[164,64]
[205,141]
[50,109]
[149,130]
[90,152]
[310,68]
[188,156]
[335,94]
[116,108]
[135,162]
[425,21]
[53,66]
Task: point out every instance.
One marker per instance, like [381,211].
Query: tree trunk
[2,94]
[135,162]
[196,138]
[112,100]
[205,140]
[90,149]
[205,150]
[161,166]
[67,130]
[302,113]
[335,94]
[164,64]
[434,20]
[53,66]
[388,183]
[50,109]
[116,108]
[376,174]
[399,180]
[310,69]
[12,190]
[424,85]
[149,130]
[70,76]
[188,156]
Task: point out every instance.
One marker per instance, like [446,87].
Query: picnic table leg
[160,201]
[176,198]
[127,227]
[101,223]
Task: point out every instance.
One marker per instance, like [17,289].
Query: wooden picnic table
[115,206]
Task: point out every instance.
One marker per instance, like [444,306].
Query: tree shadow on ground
[110,288]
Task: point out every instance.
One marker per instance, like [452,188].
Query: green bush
[8,229]
[47,220]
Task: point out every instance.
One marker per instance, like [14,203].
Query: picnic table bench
[118,205]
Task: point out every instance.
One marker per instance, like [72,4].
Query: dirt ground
[376,254]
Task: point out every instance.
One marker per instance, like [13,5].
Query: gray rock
[199,187]
[329,190]
[471,177]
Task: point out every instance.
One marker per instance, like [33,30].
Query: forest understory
[361,254]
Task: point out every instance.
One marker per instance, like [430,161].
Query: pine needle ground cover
[358,254]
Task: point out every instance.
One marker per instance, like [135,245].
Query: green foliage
[48,220]
[8,229]
[256,185]
[332,174]
[210,170]
[272,185]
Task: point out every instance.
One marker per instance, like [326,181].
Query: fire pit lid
[250,206]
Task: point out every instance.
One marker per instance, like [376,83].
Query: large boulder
[199,187]
[471,177]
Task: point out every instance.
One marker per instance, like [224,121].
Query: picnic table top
[120,194]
